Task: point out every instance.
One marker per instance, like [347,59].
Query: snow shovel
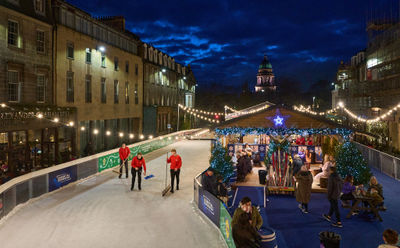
[167,187]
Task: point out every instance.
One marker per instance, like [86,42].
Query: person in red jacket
[138,164]
[175,169]
[123,156]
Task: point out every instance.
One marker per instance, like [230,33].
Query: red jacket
[124,153]
[138,163]
[176,162]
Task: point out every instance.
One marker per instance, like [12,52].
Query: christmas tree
[349,161]
[220,161]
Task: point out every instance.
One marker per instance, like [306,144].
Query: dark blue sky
[225,40]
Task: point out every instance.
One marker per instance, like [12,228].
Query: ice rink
[102,211]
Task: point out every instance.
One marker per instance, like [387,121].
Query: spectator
[348,190]
[328,163]
[297,164]
[257,159]
[243,167]
[334,189]
[252,212]
[303,190]
[209,182]
[244,234]
[222,192]
[375,191]
[390,237]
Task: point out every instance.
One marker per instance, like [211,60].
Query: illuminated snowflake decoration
[278,119]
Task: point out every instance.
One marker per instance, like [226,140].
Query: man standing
[175,169]
[123,156]
[334,188]
[137,164]
[209,182]
[254,215]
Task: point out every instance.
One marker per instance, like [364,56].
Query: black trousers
[334,209]
[348,197]
[139,174]
[175,174]
[122,164]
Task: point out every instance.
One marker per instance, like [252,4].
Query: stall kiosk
[275,136]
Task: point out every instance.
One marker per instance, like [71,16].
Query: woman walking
[303,190]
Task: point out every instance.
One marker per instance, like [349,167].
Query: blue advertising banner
[60,178]
[209,205]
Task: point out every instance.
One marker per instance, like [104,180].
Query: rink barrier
[384,162]
[215,210]
[34,184]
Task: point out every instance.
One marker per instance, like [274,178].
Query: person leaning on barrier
[244,234]
[209,182]
[252,212]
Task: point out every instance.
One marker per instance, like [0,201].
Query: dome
[265,64]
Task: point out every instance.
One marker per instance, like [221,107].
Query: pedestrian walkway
[103,212]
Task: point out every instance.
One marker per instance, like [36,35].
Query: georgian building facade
[165,85]
[99,72]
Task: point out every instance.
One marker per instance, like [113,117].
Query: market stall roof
[279,116]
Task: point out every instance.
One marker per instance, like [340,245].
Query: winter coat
[245,237]
[138,163]
[256,219]
[348,188]
[209,183]
[378,188]
[303,190]
[124,153]
[176,162]
[221,190]
[335,184]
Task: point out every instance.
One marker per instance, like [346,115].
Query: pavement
[102,211]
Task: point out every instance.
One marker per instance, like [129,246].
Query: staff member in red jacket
[123,156]
[137,164]
[175,169]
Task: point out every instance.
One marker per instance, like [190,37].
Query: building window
[136,94]
[126,92]
[116,65]
[88,89]
[127,66]
[12,33]
[103,60]
[40,41]
[70,86]
[88,55]
[136,69]
[40,88]
[70,50]
[103,90]
[13,86]
[39,6]
[116,91]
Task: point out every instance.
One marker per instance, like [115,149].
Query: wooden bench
[361,199]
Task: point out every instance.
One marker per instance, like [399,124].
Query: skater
[123,156]
[138,164]
[334,188]
[303,190]
[175,168]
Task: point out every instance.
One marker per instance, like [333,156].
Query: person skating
[303,190]
[138,163]
[334,188]
[175,168]
[124,152]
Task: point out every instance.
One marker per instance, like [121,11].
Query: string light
[193,113]
[95,131]
[71,123]
[200,111]
[229,108]
[131,136]
[141,136]
[108,133]
[121,135]
[82,128]
[150,136]
[250,110]
[56,120]
[40,115]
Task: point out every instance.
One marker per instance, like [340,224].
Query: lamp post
[177,123]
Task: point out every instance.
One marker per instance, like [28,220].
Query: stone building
[265,78]
[166,84]
[28,136]
[99,72]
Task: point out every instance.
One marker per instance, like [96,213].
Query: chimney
[116,22]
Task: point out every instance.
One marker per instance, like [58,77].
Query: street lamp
[101,49]
[163,70]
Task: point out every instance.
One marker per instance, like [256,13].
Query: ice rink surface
[102,211]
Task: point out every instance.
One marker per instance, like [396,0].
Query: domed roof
[265,64]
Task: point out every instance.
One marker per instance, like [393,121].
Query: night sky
[224,41]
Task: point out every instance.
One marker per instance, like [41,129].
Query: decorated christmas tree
[220,161]
[349,161]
